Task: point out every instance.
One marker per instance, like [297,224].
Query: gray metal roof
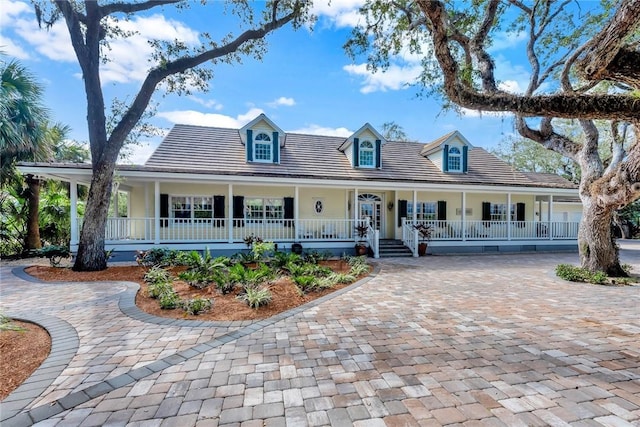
[199,149]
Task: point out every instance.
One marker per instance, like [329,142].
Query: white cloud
[510,86]
[190,117]
[394,78]
[12,48]
[130,57]
[320,130]
[208,103]
[53,43]
[513,78]
[341,13]
[502,41]
[11,10]
[288,102]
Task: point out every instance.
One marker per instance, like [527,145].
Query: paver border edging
[64,345]
[40,413]
[127,304]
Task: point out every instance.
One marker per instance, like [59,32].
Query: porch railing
[498,230]
[172,230]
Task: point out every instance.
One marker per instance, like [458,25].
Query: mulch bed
[285,294]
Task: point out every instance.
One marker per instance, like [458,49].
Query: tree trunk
[32,239]
[598,250]
[91,255]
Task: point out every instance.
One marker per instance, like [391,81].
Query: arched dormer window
[367,154]
[263,148]
[454,160]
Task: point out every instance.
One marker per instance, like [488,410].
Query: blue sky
[305,83]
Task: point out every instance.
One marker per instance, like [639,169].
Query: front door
[371,207]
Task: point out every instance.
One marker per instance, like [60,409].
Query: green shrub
[356,260]
[155,290]
[157,274]
[342,277]
[579,274]
[7,325]
[168,300]
[261,250]
[359,269]
[255,297]
[572,273]
[326,282]
[599,278]
[196,305]
[162,257]
[281,260]
[305,283]
[196,278]
[315,257]
[54,253]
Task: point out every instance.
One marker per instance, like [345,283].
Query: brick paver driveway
[450,340]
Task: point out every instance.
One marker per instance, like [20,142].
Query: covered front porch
[197,212]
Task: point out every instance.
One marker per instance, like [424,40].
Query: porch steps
[393,248]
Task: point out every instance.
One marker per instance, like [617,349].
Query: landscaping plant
[255,296]
[196,305]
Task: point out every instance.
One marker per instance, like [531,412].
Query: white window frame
[499,212]
[190,203]
[266,202]
[262,140]
[426,211]
[369,150]
[455,156]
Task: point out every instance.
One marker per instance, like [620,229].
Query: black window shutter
[164,209]
[238,210]
[442,210]
[402,211]
[520,209]
[445,158]
[276,148]
[218,210]
[249,145]
[486,212]
[356,152]
[288,211]
[465,159]
[378,153]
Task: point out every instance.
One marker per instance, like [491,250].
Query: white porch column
[156,215]
[355,204]
[73,190]
[230,210]
[296,213]
[147,226]
[508,216]
[346,203]
[116,199]
[415,204]
[551,217]
[463,216]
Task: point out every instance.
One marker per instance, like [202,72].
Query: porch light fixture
[390,206]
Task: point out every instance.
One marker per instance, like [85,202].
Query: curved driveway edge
[62,355]
[64,345]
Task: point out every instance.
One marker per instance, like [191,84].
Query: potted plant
[424,235]
[361,229]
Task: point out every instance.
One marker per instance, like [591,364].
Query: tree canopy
[584,64]
[178,67]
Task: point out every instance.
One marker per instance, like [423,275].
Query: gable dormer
[449,153]
[263,140]
[364,148]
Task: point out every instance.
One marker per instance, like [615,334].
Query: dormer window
[263,148]
[367,154]
[454,160]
